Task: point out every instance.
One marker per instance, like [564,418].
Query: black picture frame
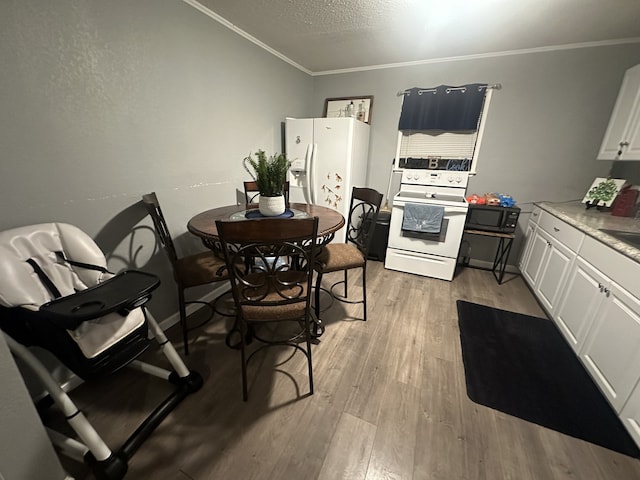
[337,107]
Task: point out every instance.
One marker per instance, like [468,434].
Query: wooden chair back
[252,193]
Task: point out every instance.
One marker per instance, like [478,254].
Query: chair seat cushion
[200,269]
[286,284]
[291,311]
[339,256]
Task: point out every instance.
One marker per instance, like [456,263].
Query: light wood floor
[390,401]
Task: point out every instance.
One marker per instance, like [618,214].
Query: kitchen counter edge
[591,221]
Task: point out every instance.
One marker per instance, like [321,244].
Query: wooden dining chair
[189,271]
[270,263]
[334,257]
[252,192]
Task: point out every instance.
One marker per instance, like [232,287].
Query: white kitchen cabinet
[553,270]
[535,249]
[592,293]
[601,321]
[611,352]
[552,250]
[622,138]
[532,225]
[611,349]
[582,296]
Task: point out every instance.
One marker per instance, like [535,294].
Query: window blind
[446,145]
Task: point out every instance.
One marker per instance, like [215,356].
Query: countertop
[590,221]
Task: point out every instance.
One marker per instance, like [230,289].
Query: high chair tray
[125,291]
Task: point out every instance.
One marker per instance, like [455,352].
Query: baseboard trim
[174,318]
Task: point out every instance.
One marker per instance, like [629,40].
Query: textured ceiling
[327,35]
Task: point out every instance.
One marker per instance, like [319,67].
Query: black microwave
[492,218]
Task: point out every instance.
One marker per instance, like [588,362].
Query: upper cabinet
[622,138]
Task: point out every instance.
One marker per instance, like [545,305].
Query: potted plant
[270,174]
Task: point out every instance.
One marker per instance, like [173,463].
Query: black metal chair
[334,257]
[57,294]
[188,271]
[270,263]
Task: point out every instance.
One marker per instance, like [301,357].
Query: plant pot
[271,206]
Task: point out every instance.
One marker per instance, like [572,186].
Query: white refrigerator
[328,158]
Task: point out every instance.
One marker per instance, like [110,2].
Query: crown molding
[525,51]
[242,33]
[506,53]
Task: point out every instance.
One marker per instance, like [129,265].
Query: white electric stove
[430,255]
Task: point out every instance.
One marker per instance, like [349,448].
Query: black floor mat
[521,365]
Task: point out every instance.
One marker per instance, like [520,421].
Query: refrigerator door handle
[311,174]
[306,189]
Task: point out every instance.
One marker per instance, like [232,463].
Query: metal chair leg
[317,294]
[309,362]
[346,295]
[364,290]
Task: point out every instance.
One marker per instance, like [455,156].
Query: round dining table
[203,225]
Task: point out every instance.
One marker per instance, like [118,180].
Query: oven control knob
[458,179]
[450,178]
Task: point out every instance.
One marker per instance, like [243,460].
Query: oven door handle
[448,210]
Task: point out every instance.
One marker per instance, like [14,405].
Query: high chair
[56,293]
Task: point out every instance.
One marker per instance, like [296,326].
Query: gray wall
[630,171]
[543,130]
[104,101]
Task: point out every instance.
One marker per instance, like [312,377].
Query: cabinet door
[620,129]
[632,151]
[612,349]
[581,299]
[526,250]
[538,249]
[554,270]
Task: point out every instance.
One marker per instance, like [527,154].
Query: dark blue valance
[445,108]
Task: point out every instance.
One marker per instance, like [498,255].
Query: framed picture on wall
[358,107]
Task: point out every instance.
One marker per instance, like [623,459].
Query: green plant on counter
[604,191]
[270,173]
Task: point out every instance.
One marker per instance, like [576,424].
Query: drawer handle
[556,229]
